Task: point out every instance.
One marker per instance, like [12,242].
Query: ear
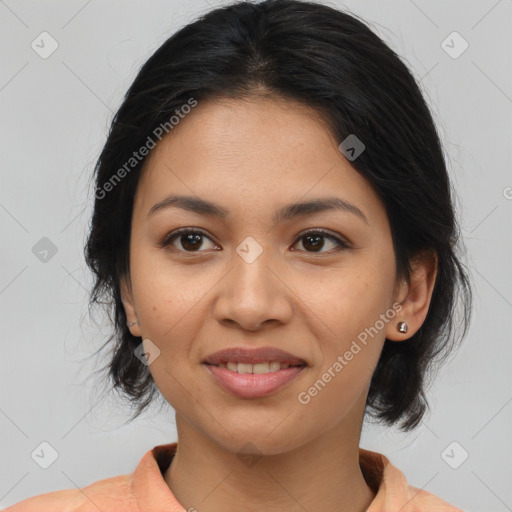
[414,296]
[128,303]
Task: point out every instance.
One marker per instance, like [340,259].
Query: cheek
[355,310]
[349,352]
[355,301]
[167,295]
[169,306]
[335,396]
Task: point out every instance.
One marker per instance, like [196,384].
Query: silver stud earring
[133,323]
[401,327]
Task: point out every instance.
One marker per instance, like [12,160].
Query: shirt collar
[152,492]
[148,485]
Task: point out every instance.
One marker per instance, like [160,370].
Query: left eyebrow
[316,206]
[207,208]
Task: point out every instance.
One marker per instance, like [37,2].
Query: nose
[253,294]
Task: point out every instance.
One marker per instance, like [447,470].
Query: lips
[253,373]
[253,356]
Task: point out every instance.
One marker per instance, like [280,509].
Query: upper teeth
[271,366]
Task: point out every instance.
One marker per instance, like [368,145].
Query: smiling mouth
[257,368]
[258,380]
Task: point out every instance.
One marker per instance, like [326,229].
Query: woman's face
[252,280]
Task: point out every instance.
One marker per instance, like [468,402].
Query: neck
[323,474]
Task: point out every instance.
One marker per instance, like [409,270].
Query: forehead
[252,153]
[275,129]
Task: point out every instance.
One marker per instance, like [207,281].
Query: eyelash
[169,239]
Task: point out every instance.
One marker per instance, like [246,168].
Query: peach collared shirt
[145,490]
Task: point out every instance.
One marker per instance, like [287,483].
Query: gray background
[54,116]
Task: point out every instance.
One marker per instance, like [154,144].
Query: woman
[274,228]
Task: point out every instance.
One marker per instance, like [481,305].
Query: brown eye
[189,240]
[314,241]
